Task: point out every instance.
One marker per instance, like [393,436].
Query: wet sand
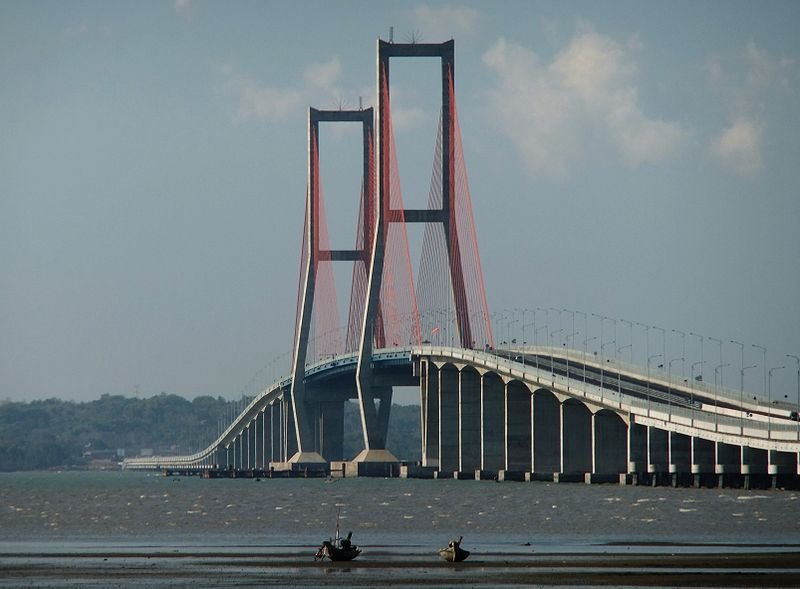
[187,568]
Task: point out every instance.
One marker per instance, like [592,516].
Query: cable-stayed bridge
[512,410]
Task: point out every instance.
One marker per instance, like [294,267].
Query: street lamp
[586,341]
[649,359]
[619,368]
[630,336]
[717,370]
[769,400]
[741,395]
[702,338]
[693,378]
[603,363]
[683,351]
[764,353]
[669,381]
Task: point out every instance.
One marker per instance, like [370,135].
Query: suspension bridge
[521,408]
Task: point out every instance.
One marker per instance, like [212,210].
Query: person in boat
[454,552]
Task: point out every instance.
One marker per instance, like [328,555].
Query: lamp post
[571,335]
[630,336]
[663,342]
[741,396]
[702,338]
[683,351]
[669,381]
[586,341]
[567,337]
[603,363]
[535,334]
[552,355]
[649,359]
[700,363]
[769,400]
[646,341]
[717,370]
[764,357]
[619,369]
[797,412]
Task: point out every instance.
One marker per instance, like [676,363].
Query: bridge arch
[546,432]
[518,426]
[610,441]
[493,413]
[469,419]
[576,437]
[448,418]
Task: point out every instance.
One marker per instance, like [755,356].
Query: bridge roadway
[533,413]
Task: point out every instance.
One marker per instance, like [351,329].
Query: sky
[635,160]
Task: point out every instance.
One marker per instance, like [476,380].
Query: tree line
[53,433]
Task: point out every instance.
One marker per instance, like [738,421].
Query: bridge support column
[288,429]
[429,406]
[266,438]
[492,399]
[657,453]
[546,434]
[278,454]
[609,445]
[754,466]
[251,445]
[448,419]
[782,464]
[576,439]
[518,427]
[728,463]
[703,460]
[680,458]
[469,420]
[637,449]
[331,429]
[221,458]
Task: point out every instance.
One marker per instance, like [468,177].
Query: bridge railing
[700,416]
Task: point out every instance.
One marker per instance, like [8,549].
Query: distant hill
[62,434]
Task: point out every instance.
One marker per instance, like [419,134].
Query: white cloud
[549,110]
[746,83]
[266,102]
[78,30]
[406,118]
[183,8]
[739,147]
[442,23]
[324,75]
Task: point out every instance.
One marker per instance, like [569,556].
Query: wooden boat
[454,552]
[338,548]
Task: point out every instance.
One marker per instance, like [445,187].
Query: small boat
[454,552]
[338,548]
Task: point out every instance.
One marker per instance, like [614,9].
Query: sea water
[52,510]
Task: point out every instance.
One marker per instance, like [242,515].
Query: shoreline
[386,568]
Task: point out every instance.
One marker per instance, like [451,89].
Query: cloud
[184,8]
[442,23]
[268,102]
[747,84]
[407,118]
[78,30]
[324,75]
[739,147]
[265,102]
[550,109]
[84,29]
